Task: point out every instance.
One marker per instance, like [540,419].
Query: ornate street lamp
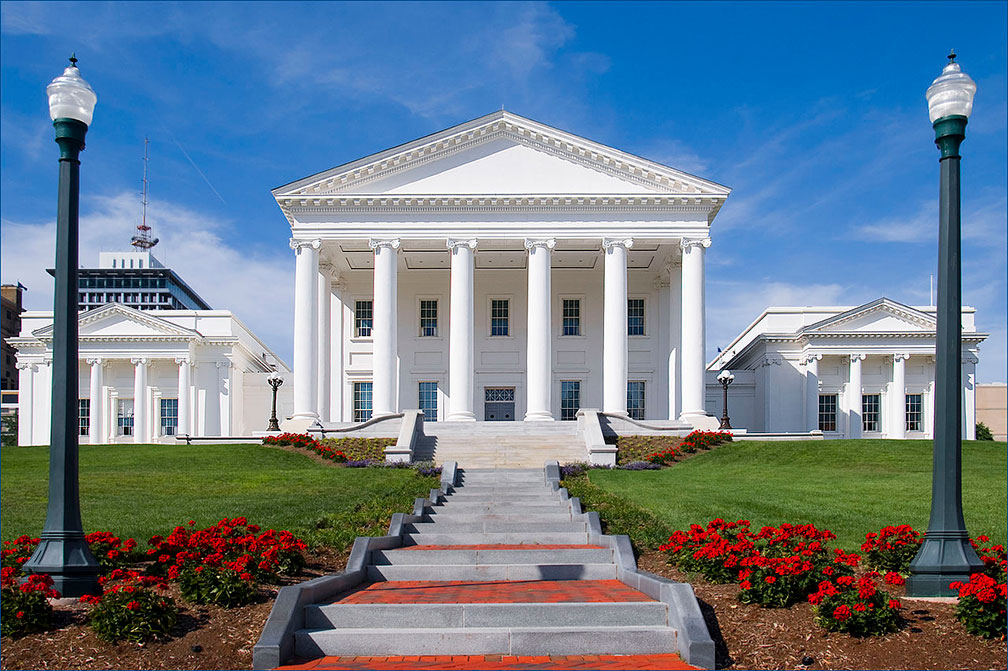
[946,554]
[63,553]
[725,378]
[274,381]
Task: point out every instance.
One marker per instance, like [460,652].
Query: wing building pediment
[879,316]
[119,321]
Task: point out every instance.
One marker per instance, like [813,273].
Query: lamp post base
[68,560]
[944,557]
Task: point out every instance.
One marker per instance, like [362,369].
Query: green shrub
[218,585]
[130,608]
[983,432]
[359,449]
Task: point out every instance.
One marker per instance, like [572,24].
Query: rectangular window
[499,310]
[83,416]
[635,399]
[428,318]
[570,399]
[870,404]
[635,316]
[571,317]
[169,416]
[363,318]
[428,401]
[913,412]
[125,420]
[827,412]
[361,401]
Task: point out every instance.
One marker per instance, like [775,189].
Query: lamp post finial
[951,56]
[73,59]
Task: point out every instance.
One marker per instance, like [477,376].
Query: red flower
[132,605]
[841,613]
[19,614]
[895,604]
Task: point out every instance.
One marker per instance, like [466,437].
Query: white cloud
[257,286]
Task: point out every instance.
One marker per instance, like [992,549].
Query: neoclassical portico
[500,269]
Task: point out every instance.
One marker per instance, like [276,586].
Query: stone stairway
[509,445]
[501,565]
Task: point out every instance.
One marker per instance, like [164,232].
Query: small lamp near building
[725,378]
[63,552]
[946,554]
[274,381]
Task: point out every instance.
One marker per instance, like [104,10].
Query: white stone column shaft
[224,394]
[183,397]
[969,362]
[338,329]
[693,327]
[139,400]
[811,392]
[897,404]
[306,328]
[384,330]
[854,426]
[324,342]
[95,401]
[26,403]
[460,331]
[675,340]
[614,326]
[539,358]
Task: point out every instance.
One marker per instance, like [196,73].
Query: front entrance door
[499,404]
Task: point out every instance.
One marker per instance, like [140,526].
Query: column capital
[900,357]
[970,358]
[809,358]
[545,243]
[609,243]
[297,244]
[771,361]
[139,361]
[96,361]
[376,243]
[857,358]
[686,243]
[224,364]
[27,365]
[182,360]
[455,243]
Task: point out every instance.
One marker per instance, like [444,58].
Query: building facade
[10,304]
[850,372]
[149,376]
[135,279]
[499,270]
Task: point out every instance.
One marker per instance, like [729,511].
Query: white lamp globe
[70,97]
[726,376]
[951,93]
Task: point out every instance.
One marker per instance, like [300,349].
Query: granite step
[492,556]
[492,572]
[497,538]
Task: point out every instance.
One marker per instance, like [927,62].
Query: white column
[26,402]
[224,396]
[854,397]
[614,326]
[969,362]
[324,341]
[384,332]
[305,328]
[336,375]
[95,401]
[183,396]
[539,359]
[675,339]
[112,416]
[139,399]
[693,329]
[897,403]
[811,391]
[460,331]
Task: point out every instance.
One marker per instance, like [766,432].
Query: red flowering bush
[23,605]
[221,585]
[891,548]
[981,606]
[359,449]
[714,551]
[993,557]
[112,552]
[132,607]
[856,605]
[306,442]
[703,440]
[17,552]
[663,457]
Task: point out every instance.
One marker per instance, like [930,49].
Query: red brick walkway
[501,546]
[512,591]
[497,662]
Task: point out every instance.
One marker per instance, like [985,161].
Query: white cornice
[167,328]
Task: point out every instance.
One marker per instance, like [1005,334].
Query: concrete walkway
[500,574]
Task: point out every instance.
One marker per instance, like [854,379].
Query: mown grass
[141,490]
[848,486]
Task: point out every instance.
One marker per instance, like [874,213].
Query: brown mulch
[750,637]
[205,637]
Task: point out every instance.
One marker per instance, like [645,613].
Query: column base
[461,416]
[539,416]
[67,558]
[944,557]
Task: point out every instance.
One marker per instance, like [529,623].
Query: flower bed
[665,450]
[306,442]
[982,600]
[359,449]
[24,607]
[857,606]
[131,608]
[891,548]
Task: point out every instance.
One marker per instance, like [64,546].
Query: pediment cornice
[906,313]
[165,328]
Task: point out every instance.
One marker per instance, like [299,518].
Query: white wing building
[500,270]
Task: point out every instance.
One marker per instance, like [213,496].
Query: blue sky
[814,114]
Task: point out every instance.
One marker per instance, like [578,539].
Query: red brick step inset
[510,591]
[496,662]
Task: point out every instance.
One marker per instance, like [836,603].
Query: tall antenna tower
[142,240]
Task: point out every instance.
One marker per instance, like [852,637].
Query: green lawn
[848,486]
[141,490]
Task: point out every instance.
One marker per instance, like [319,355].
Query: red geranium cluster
[132,606]
[663,457]
[982,600]
[993,556]
[714,550]
[306,442]
[702,440]
[856,605]
[892,548]
[18,551]
[23,605]
[111,551]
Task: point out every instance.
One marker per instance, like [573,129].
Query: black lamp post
[63,553]
[946,554]
[725,378]
[274,382]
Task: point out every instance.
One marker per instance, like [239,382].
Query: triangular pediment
[501,154]
[119,321]
[879,316]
